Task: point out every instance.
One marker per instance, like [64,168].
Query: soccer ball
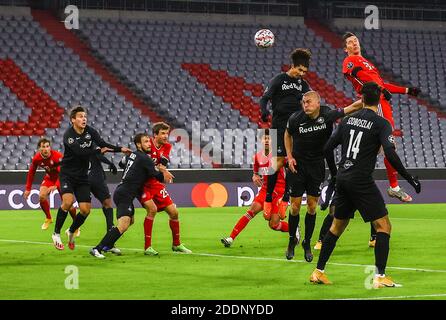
[264,38]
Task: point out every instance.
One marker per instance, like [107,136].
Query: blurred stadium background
[133,63]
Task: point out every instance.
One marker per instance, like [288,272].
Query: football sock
[372,232]
[108,213]
[392,174]
[72,212]
[293,224]
[109,239]
[78,221]
[310,222]
[328,245]
[281,226]
[325,226]
[271,184]
[46,208]
[381,251]
[60,219]
[241,224]
[148,224]
[175,228]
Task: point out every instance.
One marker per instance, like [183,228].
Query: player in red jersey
[155,197]
[49,160]
[358,70]
[262,166]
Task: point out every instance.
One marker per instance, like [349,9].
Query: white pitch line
[396,297]
[244,257]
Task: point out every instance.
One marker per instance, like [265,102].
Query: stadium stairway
[45,111]
[336,42]
[57,30]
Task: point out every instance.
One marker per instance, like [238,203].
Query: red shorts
[261,196]
[159,195]
[48,182]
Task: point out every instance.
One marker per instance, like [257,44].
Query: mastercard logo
[209,195]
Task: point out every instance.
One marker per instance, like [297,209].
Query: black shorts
[80,187]
[309,178]
[362,196]
[280,145]
[99,188]
[124,203]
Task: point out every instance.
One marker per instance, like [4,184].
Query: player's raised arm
[103,144]
[388,144]
[355,106]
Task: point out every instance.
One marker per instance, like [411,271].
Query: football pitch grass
[253,268]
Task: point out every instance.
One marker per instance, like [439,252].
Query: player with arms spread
[262,166]
[358,70]
[362,135]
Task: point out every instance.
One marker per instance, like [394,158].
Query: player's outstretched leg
[241,224]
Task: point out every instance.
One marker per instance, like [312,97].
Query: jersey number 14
[353,144]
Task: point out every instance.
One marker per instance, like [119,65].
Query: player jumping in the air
[262,164]
[49,160]
[285,93]
[359,70]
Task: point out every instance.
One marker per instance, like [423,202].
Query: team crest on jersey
[87,136]
[392,139]
[320,120]
[350,65]
[70,140]
[348,164]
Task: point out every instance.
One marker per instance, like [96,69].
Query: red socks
[281,226]
[392,174]
[148,224]
[175,227]
[46,208]
[241,224]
